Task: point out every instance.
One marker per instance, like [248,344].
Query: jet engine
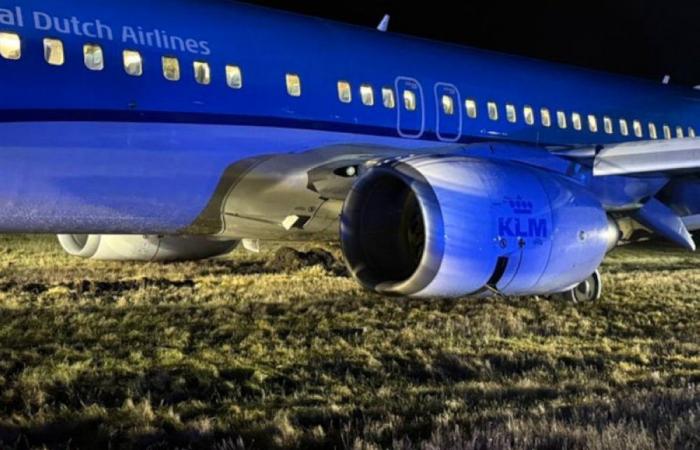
[453,226]
[143,247]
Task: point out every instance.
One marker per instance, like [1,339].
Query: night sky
[642,38]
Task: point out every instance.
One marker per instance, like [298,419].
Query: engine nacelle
[452,226]
[143,247]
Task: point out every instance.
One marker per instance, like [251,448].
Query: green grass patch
[236,353]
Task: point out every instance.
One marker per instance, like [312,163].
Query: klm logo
[519,226]
[522,227]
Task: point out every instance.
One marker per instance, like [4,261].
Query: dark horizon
[638,38]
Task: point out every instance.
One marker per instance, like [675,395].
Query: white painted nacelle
[143,247]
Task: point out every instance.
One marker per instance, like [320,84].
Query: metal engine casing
[143,247]
[486,225]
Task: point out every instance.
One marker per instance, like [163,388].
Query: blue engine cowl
[452,226]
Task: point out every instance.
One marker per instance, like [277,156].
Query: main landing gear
[588,291]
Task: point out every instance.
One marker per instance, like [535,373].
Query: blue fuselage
[89,147]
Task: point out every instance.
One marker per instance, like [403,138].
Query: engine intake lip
[82,245]
[392,230]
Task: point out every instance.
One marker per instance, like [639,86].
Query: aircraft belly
[163,178]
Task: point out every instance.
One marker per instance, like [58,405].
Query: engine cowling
[453,226]
[143,247]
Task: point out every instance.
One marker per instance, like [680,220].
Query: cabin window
[367,94]
[653,133]
[470,105]
[493,110]
[667,132]
[171,68]
[409,100]
[53,52]
[592,123]
[608,125]
[576,121]
[388,98]
[624,127]
[546,117]
[293,84]
[561,120]
[10,46]
[344,92]
[511,114]
[202,72]
[448,105]
[234,77]
[133,63]
[529,115]
[679,132]
[638,131]
[691,132]
[93,57]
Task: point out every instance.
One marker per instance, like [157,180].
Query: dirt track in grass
[244,353]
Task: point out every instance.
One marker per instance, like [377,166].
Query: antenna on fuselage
[384,24]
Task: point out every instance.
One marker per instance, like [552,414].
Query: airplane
[159,131]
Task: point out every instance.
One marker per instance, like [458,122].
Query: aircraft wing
[670,157]
[659,156]
[648,156]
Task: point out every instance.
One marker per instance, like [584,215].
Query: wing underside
[677,159]
[667,156]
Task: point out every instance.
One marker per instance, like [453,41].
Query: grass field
[243,353]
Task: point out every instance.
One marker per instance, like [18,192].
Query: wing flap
[648,156]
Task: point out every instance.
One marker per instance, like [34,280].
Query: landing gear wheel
[588,291]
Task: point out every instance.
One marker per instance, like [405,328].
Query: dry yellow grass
[233,353]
